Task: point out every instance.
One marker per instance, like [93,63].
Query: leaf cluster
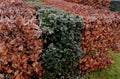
[20,46]
[62,50]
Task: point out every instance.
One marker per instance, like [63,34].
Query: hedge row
[101,29]
[21,40]
[62,36]
[20,46]
[94,3]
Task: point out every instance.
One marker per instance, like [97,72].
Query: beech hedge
[101,33]
[20,46]
[62,39]
[94,3]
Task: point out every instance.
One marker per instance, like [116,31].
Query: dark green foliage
[62,51]
[115,6]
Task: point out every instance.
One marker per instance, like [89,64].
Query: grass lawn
[35,2]
[113,72]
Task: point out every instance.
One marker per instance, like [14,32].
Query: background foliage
[115,6]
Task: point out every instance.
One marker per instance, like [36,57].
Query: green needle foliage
[115,6]
[62,51]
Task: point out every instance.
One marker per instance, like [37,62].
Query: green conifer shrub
[62,50]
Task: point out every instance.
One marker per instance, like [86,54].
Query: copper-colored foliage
[94,3]
[100,35]
[20,46]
